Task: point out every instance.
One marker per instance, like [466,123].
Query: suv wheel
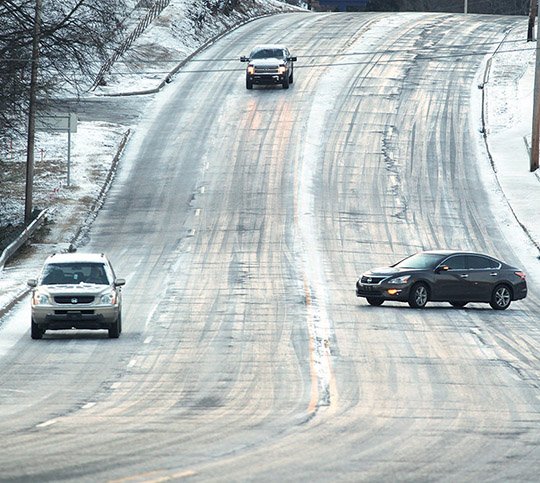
[35,331]
[458,305]
[419,296]
[116,328]
[375,302]
[500,298]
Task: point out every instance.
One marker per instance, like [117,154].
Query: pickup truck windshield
[268,54]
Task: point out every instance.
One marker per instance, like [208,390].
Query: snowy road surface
[241,220]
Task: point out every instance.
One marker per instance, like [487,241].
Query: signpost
[60,123]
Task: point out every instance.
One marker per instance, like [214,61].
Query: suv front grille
[372,280]
[74,299]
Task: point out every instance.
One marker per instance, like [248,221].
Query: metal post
[466,6]
[32,116]
[535,137]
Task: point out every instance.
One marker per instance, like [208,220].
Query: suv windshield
[268,54]
[420,261]
[74,273]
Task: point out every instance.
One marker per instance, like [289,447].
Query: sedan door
[484,272]
[451,280]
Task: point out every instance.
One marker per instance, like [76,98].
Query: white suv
[76,291]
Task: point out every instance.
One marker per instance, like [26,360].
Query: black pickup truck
[269,64]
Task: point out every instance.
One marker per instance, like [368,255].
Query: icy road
[241,220]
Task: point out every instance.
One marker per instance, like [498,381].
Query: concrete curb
[12,248]
[83,230]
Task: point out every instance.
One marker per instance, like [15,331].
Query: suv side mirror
[32,282]
[244,59]
[119,282]
[442,268]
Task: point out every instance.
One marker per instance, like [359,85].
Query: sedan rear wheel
[500,298]
[419,296]
[458,305]
[375,302]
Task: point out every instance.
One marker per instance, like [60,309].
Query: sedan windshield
[268,54]
[420,261]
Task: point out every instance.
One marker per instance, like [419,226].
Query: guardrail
[154,11]
[12,248]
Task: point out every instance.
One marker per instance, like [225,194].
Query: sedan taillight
[521,275]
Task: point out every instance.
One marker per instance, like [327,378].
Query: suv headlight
[108,298]
[400,280]
[39,298]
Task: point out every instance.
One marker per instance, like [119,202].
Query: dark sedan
[444,276]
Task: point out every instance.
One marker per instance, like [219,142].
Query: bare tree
[75,35]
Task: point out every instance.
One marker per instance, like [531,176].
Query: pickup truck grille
[270,70]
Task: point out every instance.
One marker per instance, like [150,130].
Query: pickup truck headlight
[282,69]
[40,299]
[109,298]
[250,69]
[400,280]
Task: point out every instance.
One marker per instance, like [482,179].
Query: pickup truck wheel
[249,83]
[286,82]
[291,78]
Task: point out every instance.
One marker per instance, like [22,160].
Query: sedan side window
[481,263]
[455,263]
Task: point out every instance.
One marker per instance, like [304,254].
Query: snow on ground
[182,28]
[175,35]
[178,32]
[508,91]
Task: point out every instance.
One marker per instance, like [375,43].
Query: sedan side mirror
[442,268]
[32,282]
[119,282]
[244,59]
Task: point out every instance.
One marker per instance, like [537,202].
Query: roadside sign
[57,122]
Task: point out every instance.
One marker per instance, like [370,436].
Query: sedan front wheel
[419,296]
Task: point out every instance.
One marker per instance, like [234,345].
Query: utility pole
[32,116]
[532,15]
[466,6]
[535,137]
